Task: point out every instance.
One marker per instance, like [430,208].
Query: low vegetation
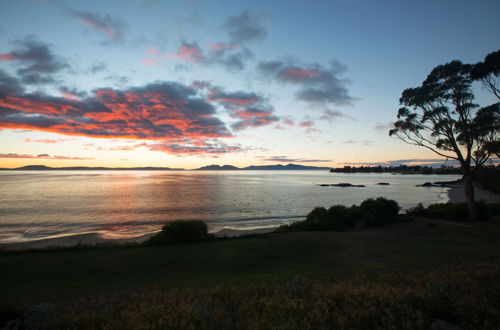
[182,231]
[371,213]
[488,178]
[454,211]
[465,296]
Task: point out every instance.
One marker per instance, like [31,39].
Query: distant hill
[289,167]
[279,167]
[218,168]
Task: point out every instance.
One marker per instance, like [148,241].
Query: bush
[454,211]
[372,212]
[182,231]
[380,211]
[488,178]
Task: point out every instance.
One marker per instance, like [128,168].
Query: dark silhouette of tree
[441,116]
[488,71]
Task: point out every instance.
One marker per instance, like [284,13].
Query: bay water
[124,204]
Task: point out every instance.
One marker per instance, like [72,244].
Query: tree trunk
[470,198]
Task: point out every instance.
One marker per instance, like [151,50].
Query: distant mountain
[33,168]
[279,167]
[86,168]
[218,168]
[289,167]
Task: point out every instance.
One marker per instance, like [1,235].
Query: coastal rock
[383,184]
[440,184]
[348,185]
[343,185]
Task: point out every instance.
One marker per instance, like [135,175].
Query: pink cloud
[5,57]
[298,74]
[41,156]
[220,46]
[188,52]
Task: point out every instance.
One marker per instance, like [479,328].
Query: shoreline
[95,239]
[455,195]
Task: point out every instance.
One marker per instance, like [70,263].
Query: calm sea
[120,204]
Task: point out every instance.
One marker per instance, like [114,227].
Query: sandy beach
[90,239]
[456,195]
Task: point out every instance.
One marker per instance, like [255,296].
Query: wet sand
[91,239]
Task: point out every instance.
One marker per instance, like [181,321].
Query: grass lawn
[274,258]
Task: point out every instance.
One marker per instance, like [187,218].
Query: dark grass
[464,296]
[46,275]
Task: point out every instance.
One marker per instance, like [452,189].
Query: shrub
[182,231]
[380,211]
[454,211]
[372,212]
[342,218]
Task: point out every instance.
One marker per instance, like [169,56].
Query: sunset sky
[189,83]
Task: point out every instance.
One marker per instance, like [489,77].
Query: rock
[383,184]
[343,185]
[427,184]
[324,185]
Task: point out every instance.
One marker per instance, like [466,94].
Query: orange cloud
[156,111]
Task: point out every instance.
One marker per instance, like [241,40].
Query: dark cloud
[114,29]
[189,52]
[233,59]
[332,115]
[195,147]
[317,84]
[71,93]
[162,110]
[97,67]
[284,159]
[9,85]
[246,27]
[37,64]
[117,80]
[365,142]
[251,109]
[41,156]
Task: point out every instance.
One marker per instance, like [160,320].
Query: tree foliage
[488,72]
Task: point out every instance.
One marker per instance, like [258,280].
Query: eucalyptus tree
[440,115]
